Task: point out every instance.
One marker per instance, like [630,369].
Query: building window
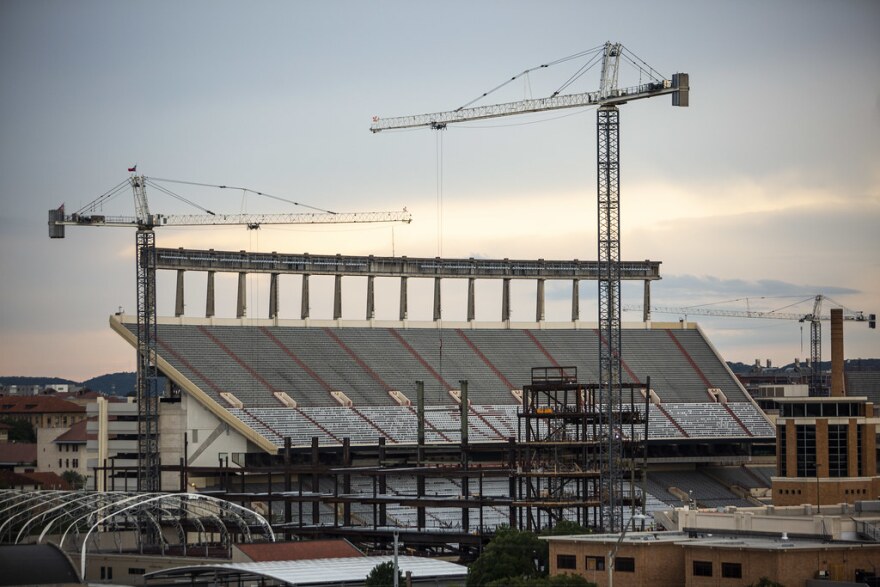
[837,450]
[806,450]
[566,561]
[195,436]
[625,564]
[731,570]
[136,571]
[595,563]
[702,568]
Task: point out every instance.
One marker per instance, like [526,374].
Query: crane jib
[678,86]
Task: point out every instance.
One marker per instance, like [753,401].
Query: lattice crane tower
[606,99]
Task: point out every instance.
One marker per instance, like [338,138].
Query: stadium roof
[314,573]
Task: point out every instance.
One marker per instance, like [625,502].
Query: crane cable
[255,192]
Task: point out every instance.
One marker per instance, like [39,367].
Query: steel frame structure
[147,390]
[608,189]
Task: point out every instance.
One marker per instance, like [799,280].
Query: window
[731,570]
[136,571]
[625,564]
[702,568]
[595,563]
[566,561]
[195,436]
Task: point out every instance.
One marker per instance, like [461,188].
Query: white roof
[323,571]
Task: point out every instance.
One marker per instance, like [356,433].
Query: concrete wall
[657,564]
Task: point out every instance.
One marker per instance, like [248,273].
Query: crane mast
[606,99]
[147,387]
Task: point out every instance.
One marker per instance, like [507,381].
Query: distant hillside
[110,384]
[113,383]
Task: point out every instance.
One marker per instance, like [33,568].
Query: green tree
[766,582]
[21,430]
[382,575]
[566,528]
[74,479]
[510,554]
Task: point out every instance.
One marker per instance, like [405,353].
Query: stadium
[316,423]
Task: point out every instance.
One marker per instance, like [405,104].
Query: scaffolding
[563,471]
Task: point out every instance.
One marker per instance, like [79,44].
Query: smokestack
[837,352]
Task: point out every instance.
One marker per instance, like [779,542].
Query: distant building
[735,547]
[826,451]
[61,450]
[42,411]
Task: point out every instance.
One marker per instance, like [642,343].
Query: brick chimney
[837,389]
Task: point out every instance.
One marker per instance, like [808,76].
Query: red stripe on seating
[420,359]
[489,364]
[541,348]
[296,359]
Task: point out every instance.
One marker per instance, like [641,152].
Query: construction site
[427,436]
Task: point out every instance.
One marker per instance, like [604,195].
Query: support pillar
[575,300]
[241,306]
[273,295]
[646,302]
[371,298]
[437,314]
[337,297]
[403,304]
[539,304]
[505,299]
[209,296]
[304,306]
[178,300]
[471,303]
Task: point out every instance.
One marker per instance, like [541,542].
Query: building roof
[76,435]
[18,453]
[40,404]
[36,564]
[48,480]
[304,550]
[320,572]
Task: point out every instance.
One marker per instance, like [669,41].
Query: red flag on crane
[133,169]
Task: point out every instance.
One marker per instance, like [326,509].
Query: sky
[763,193]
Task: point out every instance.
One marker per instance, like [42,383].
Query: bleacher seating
[364,363]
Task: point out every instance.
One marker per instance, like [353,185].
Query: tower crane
[606,99]
[815,318]
[147,392]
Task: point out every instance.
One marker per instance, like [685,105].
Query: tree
[566,528]
[74,479]
[21,430]
[382,575]
[510,554]
[766,582]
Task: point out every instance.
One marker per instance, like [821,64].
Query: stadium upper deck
[256,361]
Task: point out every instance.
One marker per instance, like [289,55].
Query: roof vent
[785,536]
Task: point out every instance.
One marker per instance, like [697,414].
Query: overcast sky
[768,186]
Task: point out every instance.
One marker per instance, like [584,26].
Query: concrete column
[471,303]
[209,296]
[371,302]
[304,306]
[539,302]
[575,300]
[241,307]
[837,384]
[437,313]
[273,295]
[505,299]
[646,302]
[178,300]
[337,297]
[403,303]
